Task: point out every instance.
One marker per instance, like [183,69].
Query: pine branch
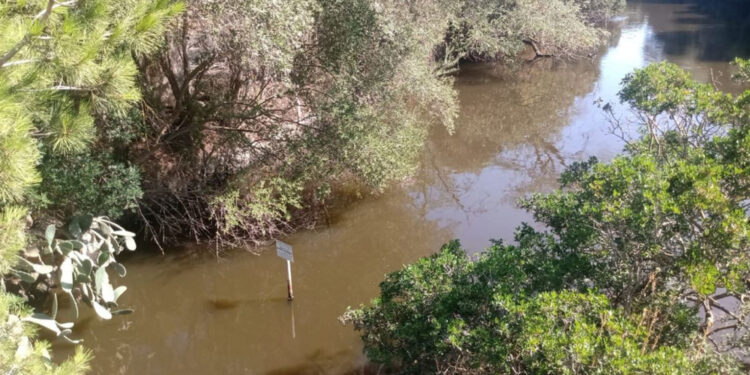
[18,62]
[42,17]
[45,13]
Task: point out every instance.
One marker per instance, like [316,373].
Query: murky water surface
[196,314]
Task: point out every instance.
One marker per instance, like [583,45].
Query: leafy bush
[743,70]
[79,183]
[496,315]
[599,11]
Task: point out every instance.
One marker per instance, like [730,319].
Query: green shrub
[494,315]
[80,183]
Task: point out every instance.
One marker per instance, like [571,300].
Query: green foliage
[318,93]
[743,70]
[645,268]
[495,316]
[599,11]
[259,33]
[78,183]
[382,94]
[664,88]
[18,151]
[12,234]
[369,122]
[554,27]
[78,267]
[63,66]
[666,224]
[62,70]
[271,203]
[19,354]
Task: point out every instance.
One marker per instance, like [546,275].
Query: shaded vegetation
[250,130]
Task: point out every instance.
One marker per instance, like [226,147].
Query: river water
[196,313]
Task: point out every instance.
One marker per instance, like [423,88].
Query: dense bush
[80,183]
[515,310]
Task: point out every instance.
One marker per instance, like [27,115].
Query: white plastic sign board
[284,250]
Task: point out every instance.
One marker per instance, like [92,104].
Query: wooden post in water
[284,250]
[289,290]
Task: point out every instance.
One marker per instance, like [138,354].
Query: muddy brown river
[196,313]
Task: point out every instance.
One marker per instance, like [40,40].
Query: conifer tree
[64,65]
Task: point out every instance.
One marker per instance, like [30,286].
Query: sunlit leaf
[120,269]
[119,291]
[43,320]
[66,275]
[101,310]
[24,276]
[49,234]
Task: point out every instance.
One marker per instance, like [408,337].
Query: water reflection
[701,36]
[195,314]
[503,109]
[506,145]
[517,130]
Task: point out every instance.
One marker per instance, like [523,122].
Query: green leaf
[66,275]
[65,247]
[119,291]
[108,294]
[54,306]
[49,234]
[100,278]
[38,268]
[120,269]
[102,259]
[130,243]
[106,229]
[110,248]
[24,276]
[74,303]
[43,320]
[43,268]
[86,266]
[704,279]
[101,311]
[123,233]
[72,341]
[122,312]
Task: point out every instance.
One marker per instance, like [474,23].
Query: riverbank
[513,137]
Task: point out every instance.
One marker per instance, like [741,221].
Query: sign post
[284,250]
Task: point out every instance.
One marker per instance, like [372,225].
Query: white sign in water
[284,250]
